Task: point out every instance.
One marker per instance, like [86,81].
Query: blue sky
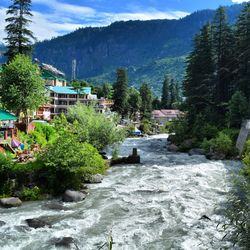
[57,17]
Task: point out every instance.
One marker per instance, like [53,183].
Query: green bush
[67,162]
[179,129]
[6,165]
[246,161]
[146,126]
[31,194]
[222,144]
[42,135]
[233,133]
[94,128]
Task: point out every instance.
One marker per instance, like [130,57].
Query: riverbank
[157,205]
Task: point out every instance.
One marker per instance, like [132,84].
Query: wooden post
[134,152]
[5,134]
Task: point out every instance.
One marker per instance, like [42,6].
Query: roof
[48,75]
[69,90]
[165,113]
[6,116]
[52,70]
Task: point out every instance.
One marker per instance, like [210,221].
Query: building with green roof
[6,116]
[7,124]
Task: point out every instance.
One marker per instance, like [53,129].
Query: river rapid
[153,206]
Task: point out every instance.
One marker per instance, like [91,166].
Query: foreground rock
[196,151]
[215,156]
[2,223]
[131,159]
[10,202]
[55,206]
[172,148]
[37,223]
[94,179]
[63,242]
[73,196]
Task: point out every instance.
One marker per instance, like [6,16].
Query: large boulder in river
[55,206]
[10,202]
[94,179]
[172,148]
[73,196]
[63,242]
[196,151]
[37,223]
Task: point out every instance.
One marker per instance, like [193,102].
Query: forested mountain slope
[149,49]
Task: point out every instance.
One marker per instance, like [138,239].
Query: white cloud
[63,18]
[66,8]
[147,15]
[240,1]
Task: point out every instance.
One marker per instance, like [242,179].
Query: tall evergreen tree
[223,43]
[165,98]
[121,93]
[173,94]
[134,101]
[243,51]
[238,109]
[147,98]
[199,81]
[19,37]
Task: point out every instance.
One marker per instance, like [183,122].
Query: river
[153,206]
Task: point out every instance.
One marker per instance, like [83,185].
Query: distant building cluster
[165,115]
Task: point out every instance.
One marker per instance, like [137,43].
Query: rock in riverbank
[94,179]
[10,202]
[73,196]
[196,151]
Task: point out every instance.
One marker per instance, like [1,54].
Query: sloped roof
[6,116]
[166,113]
[69,90]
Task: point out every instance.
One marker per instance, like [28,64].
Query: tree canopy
[19,37]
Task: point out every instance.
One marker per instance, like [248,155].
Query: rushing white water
[155,205]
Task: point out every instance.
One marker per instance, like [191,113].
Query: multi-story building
[63,96]
[165,115]
[52,76]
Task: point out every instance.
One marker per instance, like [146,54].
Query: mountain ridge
[147,49]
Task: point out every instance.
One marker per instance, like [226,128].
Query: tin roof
[69,90]
[6,116]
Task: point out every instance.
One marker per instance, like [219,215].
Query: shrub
[146,126]
[67,161]
[31,194]
[221,144]
[6,164]
[179,129]
[93,127]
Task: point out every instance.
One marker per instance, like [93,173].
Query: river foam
[156,205]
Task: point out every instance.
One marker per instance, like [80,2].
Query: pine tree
[134,101]
[238,109]
[165,99]
[121,93]
[147,98]
[199,81]
[223,44]
[243,51]
[19,37]
[173,94]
